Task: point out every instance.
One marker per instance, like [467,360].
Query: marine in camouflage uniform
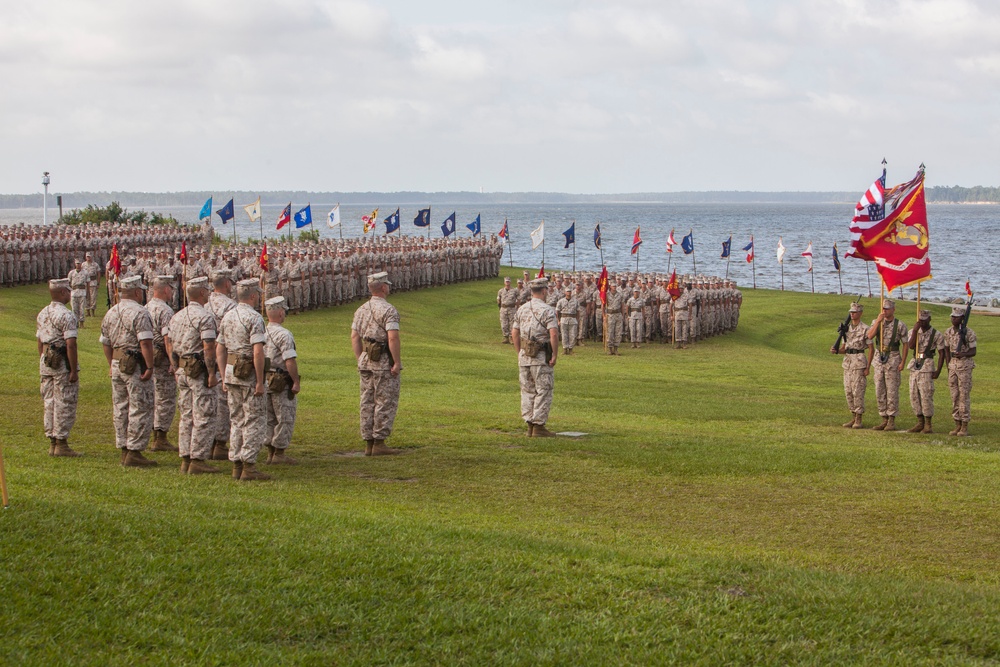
[240,350]
[536,325]
[507,303]
[282,383]
[219,304]
[78,279]
[636,320]
[858,351]
[959,357]
[57,366]
[127,337]
[613,308]
[93,276]
[568,311]
[926,342]
[682,317]
[164,382]
[889,335]
[375,331]
[192,334]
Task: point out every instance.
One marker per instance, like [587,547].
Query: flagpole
[840,279]
[574,254]
[753,261]
[694,258]
[729,255]
[341,225]
[918,304]
[812,275]
[868,274]
[670,256]
[782,276]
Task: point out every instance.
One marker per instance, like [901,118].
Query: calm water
[962,239]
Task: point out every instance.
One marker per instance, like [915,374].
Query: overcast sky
[510,95]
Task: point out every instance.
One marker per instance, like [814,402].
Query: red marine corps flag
[899,243]
[184,253]
[265,259]
[602,286]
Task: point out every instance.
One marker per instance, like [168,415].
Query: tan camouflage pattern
[123,326]
[164,382]
[59,396]
[960,374]
[198,405]
[854,365]
[379,388]
[887,375]
[240,330]
[922,380]
[248,433]
[568,312]
[280,347]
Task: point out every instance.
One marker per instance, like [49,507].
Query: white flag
[808,254]
[253,210]
[781,251]
[333,217]
[538,236]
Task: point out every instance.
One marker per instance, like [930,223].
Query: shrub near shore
[717,513]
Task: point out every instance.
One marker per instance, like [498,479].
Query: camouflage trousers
[666,330]
[960,386]
[223,424]
[537,384]
[614,329]
[59,397]
[887,379]
[196,427]
[649,323]
[922,393]
[636,328]
[681,332]
[132,401]
[598,325]
[280,418]
[855,384]
[379,402]
[296,301]
[78,304]
[271,290]
[164,398]
[506,320]
[248,432]
[567,331]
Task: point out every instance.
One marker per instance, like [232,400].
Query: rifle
[965,324]
[842,329]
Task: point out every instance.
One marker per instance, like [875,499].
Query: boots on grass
[52,446]
[369,444]
[135,459]
[270,453]
[890,425]
[185,464]
[849,424]
[379,449]
[542,432]
[857,421]
[958,427]
[237,469]
[220,451]
[160,442]
[63,449]
[531,429]
[964,430]
[927,425]
[881,427]
[280,458]
[199,467]
[251,474]
[918,427]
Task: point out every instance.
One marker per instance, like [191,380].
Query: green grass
[718,514]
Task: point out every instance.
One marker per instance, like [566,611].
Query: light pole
[45,198]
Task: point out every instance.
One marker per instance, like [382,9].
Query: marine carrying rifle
[965,324]
[842,329]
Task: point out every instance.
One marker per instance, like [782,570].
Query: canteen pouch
[128,361]
[193,366]
[276,381]
[530,347]
[160,359]
[243,367]
[55,357]
[373,349]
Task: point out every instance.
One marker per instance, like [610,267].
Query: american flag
[869,211]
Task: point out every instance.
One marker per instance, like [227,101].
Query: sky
[549,95]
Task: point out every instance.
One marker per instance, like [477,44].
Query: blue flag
[226,212]
[570,235]
[597,236]
[836,259]
[303,217]
[423,218]
[392,222]
[748,247]
[476,226]
[725,247]
[206,210]
[448,226]
[687,243]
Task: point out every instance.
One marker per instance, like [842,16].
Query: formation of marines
[639,308]
[881,350]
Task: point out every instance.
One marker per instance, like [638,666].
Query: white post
[45,198]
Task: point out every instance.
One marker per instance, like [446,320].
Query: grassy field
[718,513]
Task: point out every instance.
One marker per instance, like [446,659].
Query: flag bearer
[858,351]
[926,342]
[959,352]
[889,334]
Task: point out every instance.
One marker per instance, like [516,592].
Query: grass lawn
[718,513]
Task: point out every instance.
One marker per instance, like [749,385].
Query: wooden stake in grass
[3,481]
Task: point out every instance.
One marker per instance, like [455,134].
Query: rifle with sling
[965,324]
[842,329]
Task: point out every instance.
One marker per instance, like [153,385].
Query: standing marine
[926,342]
[57,366]
[959,352]
[858,352]
[889,335]
[536,340]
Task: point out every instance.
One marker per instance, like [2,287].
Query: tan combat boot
[531,429]
[958,427]
[199,467]
[890,425]
[542,432]
[270,453]
[854,419]
[280,458]
[918,427]
[220,451]
[379,449]
[857,421]
[251,474]
[135,459]
[927,425]
[52,446]
[881,427]
[63,449]
[962,431]
[368,447]
[124,453]
[185,464]
[237,469]
[160,442]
